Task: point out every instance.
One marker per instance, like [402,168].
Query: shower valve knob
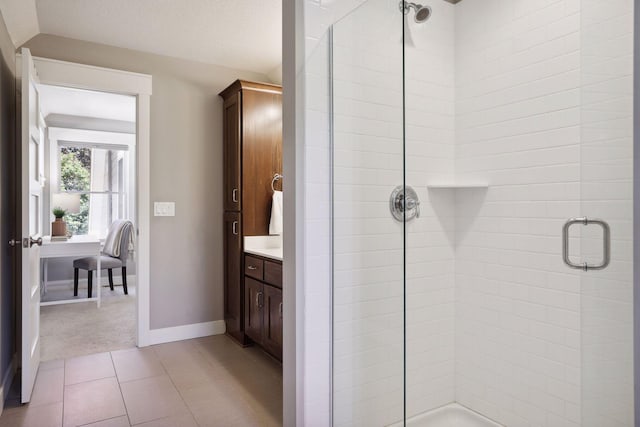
[404,203]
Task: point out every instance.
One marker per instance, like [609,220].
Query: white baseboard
[7,380]
[185,332]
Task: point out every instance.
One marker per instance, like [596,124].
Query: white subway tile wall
[368,244]
[518,129]
[430,151]
[533,98]
[369,306]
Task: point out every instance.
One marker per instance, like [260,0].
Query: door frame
[293,160]
[81,76]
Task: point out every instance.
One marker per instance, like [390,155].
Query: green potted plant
[59,227]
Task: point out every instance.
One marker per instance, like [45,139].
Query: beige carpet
[69,330]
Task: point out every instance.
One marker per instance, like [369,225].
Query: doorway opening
[89,154]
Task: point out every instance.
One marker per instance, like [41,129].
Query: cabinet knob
[234,227]
[252,267]
[234,195]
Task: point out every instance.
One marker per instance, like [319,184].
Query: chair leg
[75,282]
[124,280]
[90,286]
[110,271]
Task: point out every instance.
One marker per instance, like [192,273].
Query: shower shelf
[456,186]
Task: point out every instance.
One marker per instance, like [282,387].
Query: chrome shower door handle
[606,244]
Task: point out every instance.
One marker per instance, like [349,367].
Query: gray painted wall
[7,200]
[186,167]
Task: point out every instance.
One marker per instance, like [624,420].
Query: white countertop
[275,254]
[266,246]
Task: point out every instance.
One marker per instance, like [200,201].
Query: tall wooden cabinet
[252,155]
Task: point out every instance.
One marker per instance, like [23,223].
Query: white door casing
[32,181]
[81,76]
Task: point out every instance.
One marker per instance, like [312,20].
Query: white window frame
[129,192]
[57,137]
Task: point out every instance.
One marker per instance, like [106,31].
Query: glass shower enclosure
[482,213]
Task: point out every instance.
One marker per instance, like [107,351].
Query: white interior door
[32,183]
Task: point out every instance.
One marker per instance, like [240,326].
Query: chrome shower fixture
[422,13]
[404,203]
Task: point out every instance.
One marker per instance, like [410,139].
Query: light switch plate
[164,209]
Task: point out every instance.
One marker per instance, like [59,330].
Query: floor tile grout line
[193,416]
[124,403]
[106,419]
[251,358]
[164,370]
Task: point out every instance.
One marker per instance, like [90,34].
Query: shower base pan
[453,415]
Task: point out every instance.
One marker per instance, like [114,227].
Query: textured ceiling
[242,34]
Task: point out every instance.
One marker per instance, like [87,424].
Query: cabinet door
[261,157]
[233,275]
[272,326]
[232,153]
[253,302]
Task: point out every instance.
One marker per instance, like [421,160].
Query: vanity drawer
[253,267]
[273,273]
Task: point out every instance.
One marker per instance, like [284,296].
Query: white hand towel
[275,225]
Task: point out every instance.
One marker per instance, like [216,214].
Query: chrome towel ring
[276,177]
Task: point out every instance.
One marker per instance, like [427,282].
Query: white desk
[76,246]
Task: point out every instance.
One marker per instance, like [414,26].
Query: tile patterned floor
[203,382]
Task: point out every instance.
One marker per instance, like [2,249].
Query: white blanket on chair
[114,236]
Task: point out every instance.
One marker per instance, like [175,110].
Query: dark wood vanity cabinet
[272,321]
[233,273]
[252,154]
[263,304]
[253,300]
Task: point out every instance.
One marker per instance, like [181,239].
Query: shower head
[422,13]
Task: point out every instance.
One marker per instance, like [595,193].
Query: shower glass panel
[606,149]
[499,121]
[368,163]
